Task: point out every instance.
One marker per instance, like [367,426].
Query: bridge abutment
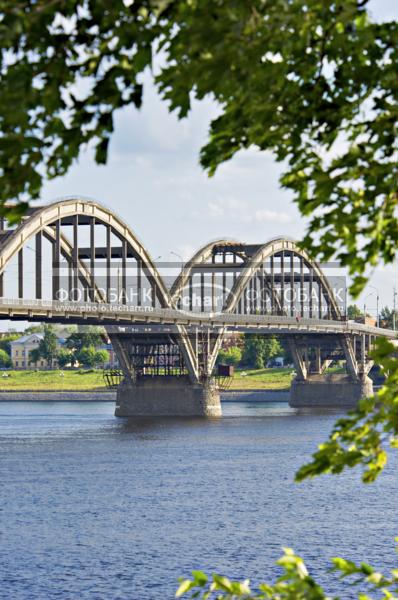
[329,391]
[167,397]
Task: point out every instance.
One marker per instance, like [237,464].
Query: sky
[153,180]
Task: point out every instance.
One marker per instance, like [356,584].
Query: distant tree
[34,356]
[5,342]
[387,318]
[286,352]
[101,357]
[69,328]
[5,360]
[48,346]
[33,329]
[230,356]
[259,349]
[87,356]
[65,358]
[83,339]
[353,312]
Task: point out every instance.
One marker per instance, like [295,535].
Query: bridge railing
[171,315]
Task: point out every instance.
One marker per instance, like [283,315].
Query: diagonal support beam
[299,362]
[351,361]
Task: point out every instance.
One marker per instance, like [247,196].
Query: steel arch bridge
[77,261]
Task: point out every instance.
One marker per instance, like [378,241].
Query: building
[21,348]
[368,320]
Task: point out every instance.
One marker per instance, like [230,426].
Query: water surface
[95,507]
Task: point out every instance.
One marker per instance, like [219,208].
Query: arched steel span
[46,221]
[249,265]
[42,218]
[252,259]
[252,263]
[200,257]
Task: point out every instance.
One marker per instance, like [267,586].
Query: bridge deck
[118,314]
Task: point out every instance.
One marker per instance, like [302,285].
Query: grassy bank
[52,380]
[272,379]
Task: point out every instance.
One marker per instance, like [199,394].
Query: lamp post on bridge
[364,307]
[377,304]
[178,256]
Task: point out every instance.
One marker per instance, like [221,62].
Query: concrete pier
[167,397]
[332,391]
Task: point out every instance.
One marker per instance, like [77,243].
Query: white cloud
[215,210]
[229,207]
[272,216]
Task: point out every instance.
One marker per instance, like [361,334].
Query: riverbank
[269,379]
[93,381]
[57,380]
[105,395]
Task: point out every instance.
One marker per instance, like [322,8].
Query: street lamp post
[377,305]
[178,256]
[394,307]
[181,259]
[364,307]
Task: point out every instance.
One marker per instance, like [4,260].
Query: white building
[20,351]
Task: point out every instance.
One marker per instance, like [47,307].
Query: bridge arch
[271,250]
[42,219]
[252,266]
[46,222]
[248,265]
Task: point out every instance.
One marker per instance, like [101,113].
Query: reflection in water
[98,507]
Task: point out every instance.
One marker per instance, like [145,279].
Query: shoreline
[252,395]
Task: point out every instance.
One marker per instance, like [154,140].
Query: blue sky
[154,181]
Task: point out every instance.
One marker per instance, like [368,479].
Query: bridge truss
[71,260]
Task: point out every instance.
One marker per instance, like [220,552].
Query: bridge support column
[331,390]
[167,397]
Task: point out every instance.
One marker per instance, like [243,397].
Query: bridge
[76,261]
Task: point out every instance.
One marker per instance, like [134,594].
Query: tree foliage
[64,358]
[363,436]
[5,360]
[90,357]
[313,81]
[33,329]
[101,357]
[388,319]
[48,346]
[86,356]
[295,583]
[259,349]
[34,356]
[5,341]
[84,339]
[353,311]
[230,356]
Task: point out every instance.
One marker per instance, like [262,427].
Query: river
[95,507]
